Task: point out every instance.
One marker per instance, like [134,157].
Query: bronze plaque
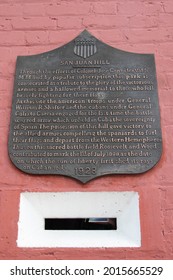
[85,110]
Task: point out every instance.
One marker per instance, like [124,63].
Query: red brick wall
[34,26]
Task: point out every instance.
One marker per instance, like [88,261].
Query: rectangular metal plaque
[85,110]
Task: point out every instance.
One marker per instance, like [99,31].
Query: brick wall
[34,26]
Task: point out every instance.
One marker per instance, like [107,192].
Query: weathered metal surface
[85,110]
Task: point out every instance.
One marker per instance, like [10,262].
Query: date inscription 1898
[85,110]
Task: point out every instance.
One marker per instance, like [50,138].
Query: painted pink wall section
[35,26]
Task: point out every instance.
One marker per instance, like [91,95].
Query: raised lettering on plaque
[85,110]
